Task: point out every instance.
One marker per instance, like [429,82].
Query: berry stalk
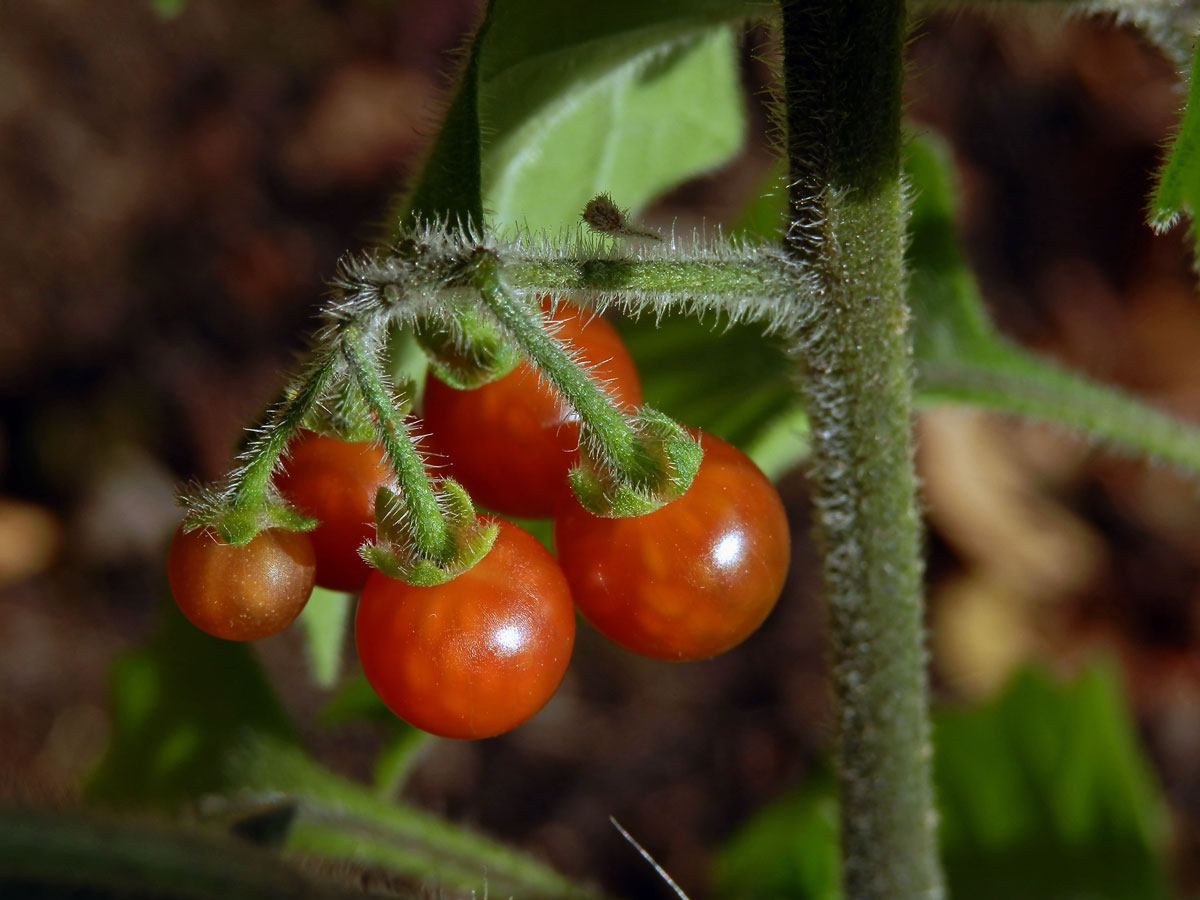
[251,480]
[429,530]
[601,420]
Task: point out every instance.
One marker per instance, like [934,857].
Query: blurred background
[175,188]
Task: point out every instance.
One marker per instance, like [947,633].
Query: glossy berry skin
[475,656]
[691,579]
[335,481]
[241,593]
[511,442]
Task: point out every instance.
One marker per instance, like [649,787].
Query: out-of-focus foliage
[179,703]
[1043,793]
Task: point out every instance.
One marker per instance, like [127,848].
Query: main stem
[842,76]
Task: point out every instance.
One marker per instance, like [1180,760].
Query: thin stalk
[722,284]
[430,533]
[251,480]
[842,77]
[1017,382]
[395,834]
[600,417]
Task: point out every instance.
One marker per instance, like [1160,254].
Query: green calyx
[668,458]
[239,525]
[467,349]
[394,551]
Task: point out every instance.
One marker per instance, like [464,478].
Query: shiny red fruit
[691,579]
[241,593]
[511,442]
[335,481]
[475,656]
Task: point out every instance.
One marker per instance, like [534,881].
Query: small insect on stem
[662,873]
[604,216]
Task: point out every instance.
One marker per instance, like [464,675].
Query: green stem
[600,418]
[46,854]
[745,282]
[842,71]
[333,810]
[431,535]
[251,480]
[1015,381]
[748,286]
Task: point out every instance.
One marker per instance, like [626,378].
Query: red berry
[335,481]
[475,656]
[691,579]
[241,593]
[511,442]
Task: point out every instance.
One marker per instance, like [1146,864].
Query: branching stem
[431,536]
[252,479]
[600,418]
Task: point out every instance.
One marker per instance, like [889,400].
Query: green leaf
[1044,794]
[789,849]
[178,702]
[532,68]
[960,358]
[639,128]
[449,185]
[324,620]
[1178,190]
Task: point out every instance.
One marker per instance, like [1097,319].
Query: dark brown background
[172,196]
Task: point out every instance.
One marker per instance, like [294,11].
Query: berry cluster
[478,653]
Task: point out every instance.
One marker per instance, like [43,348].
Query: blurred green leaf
[789,849]
[961,358]
[762,218]
[324,621]
[352,701]
[168,9]
[403,744]
[1178,191]
[178,703]
[401,751]
[641,127]
[1044,795]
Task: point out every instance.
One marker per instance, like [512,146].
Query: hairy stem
[600,418]
[260,460]
[842,70]
[746,285]
[430,533]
